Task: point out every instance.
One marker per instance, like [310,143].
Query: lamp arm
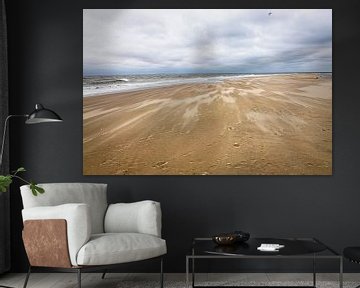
[4,134]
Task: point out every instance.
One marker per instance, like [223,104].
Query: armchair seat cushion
[113,248]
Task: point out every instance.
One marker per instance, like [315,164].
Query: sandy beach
[272,125]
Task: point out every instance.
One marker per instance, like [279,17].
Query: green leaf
[5,182]
[20,169]
[39,189]
[33,189]
[36,189]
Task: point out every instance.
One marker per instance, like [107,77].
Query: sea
[100,85]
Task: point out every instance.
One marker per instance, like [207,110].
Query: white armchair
[72,228]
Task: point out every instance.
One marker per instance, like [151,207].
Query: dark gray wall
[45,50]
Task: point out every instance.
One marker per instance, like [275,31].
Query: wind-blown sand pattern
[273,125]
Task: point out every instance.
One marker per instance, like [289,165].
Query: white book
[270,247]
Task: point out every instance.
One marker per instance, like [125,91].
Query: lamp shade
[42,115]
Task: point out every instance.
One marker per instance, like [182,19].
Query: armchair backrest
[92,194]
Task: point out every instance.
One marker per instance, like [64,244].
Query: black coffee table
[295,248]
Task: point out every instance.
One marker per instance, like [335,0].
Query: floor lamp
[39,115]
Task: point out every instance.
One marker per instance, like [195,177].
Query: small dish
[225,239]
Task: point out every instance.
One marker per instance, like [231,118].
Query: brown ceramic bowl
[225,239]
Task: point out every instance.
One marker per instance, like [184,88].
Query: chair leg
[79,277]
[103,275]
[27,277]
[161,273]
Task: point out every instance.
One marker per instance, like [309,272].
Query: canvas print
[207,92]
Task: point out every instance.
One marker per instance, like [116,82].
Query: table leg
[314,271]
[187,272]
[193,267]
[193,272]
[341,273]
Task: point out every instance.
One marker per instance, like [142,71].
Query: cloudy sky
[205,41]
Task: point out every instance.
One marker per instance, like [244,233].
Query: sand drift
[274,125]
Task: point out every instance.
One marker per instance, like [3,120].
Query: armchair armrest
[77,217]
[138,217]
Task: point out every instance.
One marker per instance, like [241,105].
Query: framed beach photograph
[207,92]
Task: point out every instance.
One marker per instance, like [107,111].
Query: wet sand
[273,125]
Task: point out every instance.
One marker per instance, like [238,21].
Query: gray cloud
[243,41]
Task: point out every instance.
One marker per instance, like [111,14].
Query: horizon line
[179,73]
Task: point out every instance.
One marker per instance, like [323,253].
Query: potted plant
[6,180]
